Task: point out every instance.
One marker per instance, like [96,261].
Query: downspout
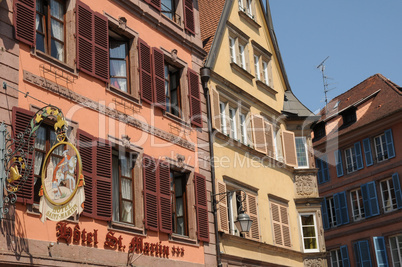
[205,75]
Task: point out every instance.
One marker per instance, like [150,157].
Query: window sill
[124,95]
[176,119]
[183,240]
[55,62]
[250,20]
[266,87]
[126,228]
[242,71]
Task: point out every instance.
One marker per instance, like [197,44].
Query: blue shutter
[319,167]
[375,210]
[366,200]
[338,163]
[367,152]
[357,253]
[344,207]
[324,211]
[338,213]
[380,251]
[398,191]
[359,157]
[365,258]
[390,143]
[345,256]
[325,171]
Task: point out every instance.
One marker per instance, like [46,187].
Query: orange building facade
[125,76]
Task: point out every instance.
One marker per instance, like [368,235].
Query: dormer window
[319,130]
[349,116]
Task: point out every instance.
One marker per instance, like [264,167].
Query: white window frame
[390,189]
[242,55]
[331,211]
[396,250]
[257,67]
[350,154]
[304,140]
[336,258]
[243,128]
[232,48]
[222,107]
[359,213]
[233,122]
[249,8]
[315,230]
[265,72]
[381,147]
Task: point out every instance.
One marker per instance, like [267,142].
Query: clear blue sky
[361,38]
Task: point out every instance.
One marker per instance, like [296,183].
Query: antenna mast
[321,66]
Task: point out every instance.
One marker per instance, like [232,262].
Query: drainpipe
[205,75]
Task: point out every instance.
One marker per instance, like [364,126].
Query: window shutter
[258,134]
[341,208]
[285,226]
[345,256]
[253,213]
[145,71]
[359,157]
[158,63]
[390,143]
[367,152]
[21,120]
[380,251]
[338,163]
[85,39]
[25,21]
[215,109]
[101,33]
[356,249]
[201,206]
[325,171]
[365,259]
[155,3]
[318,165]
[223,220]
[150,193]
[370,201]
[189,16]
[269,138]
[195,98]
[338,213]
[324,211]
[103,184]
[398,191]
[165,207]
[86,147]
[289,146]
[276,224]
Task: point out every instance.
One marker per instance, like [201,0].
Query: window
[50,25]
[395,243]
[362,253]
[242,56]
[309,232]
[335,210]
[319,130]
[331,211]
[233,123]
[119,62]
[262,64]
[265,72]
[246,6]
[257,67]
[243,129]
[301,151]
[388,195]
[123,187]
[234,206]
[370,200]
[179,202]
[169,9]
[232,47]
[172,89]
[336,258]
[356,200]
[380,148]
[280,224]
[349,116]
[238,50]
[222,107]
[351,163]
[380,251]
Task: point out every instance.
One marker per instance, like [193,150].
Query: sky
[360,37]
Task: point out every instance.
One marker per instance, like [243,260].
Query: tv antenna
[321,66]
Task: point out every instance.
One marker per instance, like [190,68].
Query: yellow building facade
[262,157]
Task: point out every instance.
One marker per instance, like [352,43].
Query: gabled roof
[386,99]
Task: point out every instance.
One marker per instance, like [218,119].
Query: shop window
[395,246]
[172,90]
[309,232]
[356,200]
[301,151]
[119,62]
[179,202]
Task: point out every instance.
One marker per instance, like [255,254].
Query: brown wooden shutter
[155,3]
[189,16]
[24,21]
[21,120]
[259,134]
[145,71]
[150,193]
[103,184]
[280,224]
[223,220]
[253,213]
[87,148]
[285,227]
[158,62]
[215,109]
[195,98]
[289,146]
[85,39]
[101,33]
[165,206]
[269,138]
[201,206]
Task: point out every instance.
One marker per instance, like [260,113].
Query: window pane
[125,168]
[40,42]
[301,152]
[118,50]
[38,162]
[126,191]
[57,50]
[115,187]
[56,9]
[57,30]
[307,220]
[40,139]
[119,83]
[180,226]
[310,243]
[118,68]
[178,187]
[127,212]
[39,23]
[309,231]
[179,207]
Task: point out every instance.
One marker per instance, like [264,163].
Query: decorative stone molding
[115,114]
[306,185]
[315,263]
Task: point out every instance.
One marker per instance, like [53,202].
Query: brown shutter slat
[215,109]
[150,193]
[259,134]
[145,71]
[165,207]
[189,16]
[158,62]
[87,148]
[201,205]
[101,33]
[269,138]
[103,180]
[21,120]
[85,39]
[288,139]
[195,98]
[253,213]
[155,3]
[24,21]
[223,220]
